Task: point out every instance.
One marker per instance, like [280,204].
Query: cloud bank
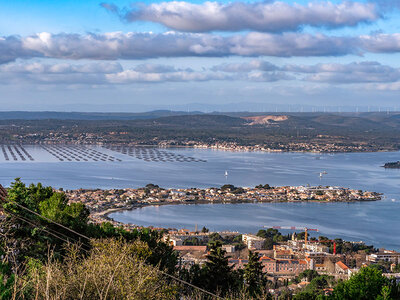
[255,70]
[134,46]
[260,16]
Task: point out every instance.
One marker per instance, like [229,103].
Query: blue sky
[135,56]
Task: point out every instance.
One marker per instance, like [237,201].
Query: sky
[124,56]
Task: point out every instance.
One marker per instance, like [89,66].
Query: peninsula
[102,202]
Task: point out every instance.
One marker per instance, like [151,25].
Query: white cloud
[380,43]
[277,16]
[255,64]
[130,76]
[61,68]
[135,46]
[356,72]
[254,70]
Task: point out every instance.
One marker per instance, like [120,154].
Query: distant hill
[201,121]
[327,122]
[53,115]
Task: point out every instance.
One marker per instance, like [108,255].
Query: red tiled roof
[267,258]
[191,248]
[342,265]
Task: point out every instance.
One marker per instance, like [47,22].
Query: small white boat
[226,173]
[322,173]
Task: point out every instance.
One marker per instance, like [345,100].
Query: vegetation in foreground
[46,255]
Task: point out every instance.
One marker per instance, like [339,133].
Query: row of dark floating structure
[83,153]
[77,153]
[152,154]
[15,153]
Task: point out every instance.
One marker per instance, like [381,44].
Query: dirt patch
[262,120]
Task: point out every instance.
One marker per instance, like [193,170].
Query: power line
[36,226]
[191,285]
[71,230]
[49,230]
[49,220]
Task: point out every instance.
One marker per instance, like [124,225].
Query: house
[229,248]
[341,268]
[283,254]
[316,247]
[191,248]
[283,266]
[384,255]
[190,255]
[253,242]
[237,263]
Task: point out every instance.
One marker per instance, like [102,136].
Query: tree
[262,233]
[215,237]
[253,274]
[265,186]
[218,271]
[367,284]
[204,230]
[397,268]
[152,186]
[229,187]
[31,240]
[308,274]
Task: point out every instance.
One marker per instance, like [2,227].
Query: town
[286,258]
[289,260]
[101,202]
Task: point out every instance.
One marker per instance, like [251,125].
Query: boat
[226,173]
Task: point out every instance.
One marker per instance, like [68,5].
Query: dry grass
[112,270]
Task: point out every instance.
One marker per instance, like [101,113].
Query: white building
[253,242]
[316,247]
[229,248]
[384,255]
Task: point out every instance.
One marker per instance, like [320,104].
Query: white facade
[253,242]
[389,256]
[316,247]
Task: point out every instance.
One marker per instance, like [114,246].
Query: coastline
[105,214]
[232,148]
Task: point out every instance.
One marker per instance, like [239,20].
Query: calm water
[375,222]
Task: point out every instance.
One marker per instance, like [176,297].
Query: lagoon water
[376,223]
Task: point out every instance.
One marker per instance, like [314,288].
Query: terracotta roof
[342,265]
[267,258]
[303,283]
[238,261]
[191,248]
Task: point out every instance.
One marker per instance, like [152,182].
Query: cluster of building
[284,147]
[100,202]
[58,137]
[286,260]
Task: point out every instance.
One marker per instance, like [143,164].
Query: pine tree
[253,274]
[219,273]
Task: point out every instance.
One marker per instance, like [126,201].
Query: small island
[392,165]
